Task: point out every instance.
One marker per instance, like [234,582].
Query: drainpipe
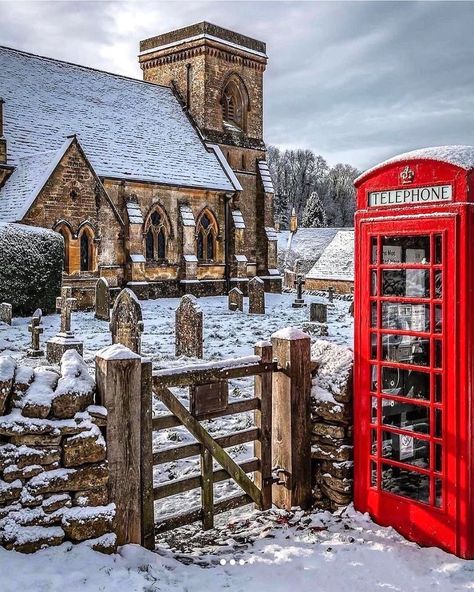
[227,200]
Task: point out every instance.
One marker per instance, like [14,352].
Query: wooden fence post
[263,421]
[146,464]
[291,421]
[118,378]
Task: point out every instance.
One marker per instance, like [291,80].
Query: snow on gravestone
[102,300]
[126,323]
[256,296]
[6,313]
[189,328]
[236,299]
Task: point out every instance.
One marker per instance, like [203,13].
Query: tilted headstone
[102,300]
[126,323]
[299,283]
[256,296]
[36,330]
[236,299]
[6,313]
[65,339]
[318,312]
[189,328]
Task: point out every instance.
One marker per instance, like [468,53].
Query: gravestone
[331,291]
[299,300]
[256,296]
[236,299]
[126,323]
[189,328]
[102,300]
[6,313]
[65,339]
[318,312]
[36,330]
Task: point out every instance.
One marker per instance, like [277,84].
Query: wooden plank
[146,469]
[193,376]
[188,450]
[207,490]
[164,422]
[176,486]
[194,515]
[291,419]
[119,388]
[263,420]
[218,453]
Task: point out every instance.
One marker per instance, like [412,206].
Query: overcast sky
[354,81]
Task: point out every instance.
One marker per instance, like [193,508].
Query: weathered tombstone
[299,300]
[318,312]
[102,300]
[256,296]
[65,339]
[189,328]
[236,299]
[126,323]
[6,313]
[36,330]
[331,291]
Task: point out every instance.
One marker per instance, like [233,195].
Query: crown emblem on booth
[407,175]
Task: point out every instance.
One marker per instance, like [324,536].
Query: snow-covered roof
[226,166]
[128,129]
[461,156]
[306,245]
[337,260]
[265,176]
[27,180]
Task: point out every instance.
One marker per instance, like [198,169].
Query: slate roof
[27,180]
[458,155]
[128,128]
[306,245]
[337,260]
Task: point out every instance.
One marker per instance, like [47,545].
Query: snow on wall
[128,128]
[337,260]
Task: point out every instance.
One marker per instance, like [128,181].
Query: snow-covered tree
[314,215]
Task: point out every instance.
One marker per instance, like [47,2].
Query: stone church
[160,185]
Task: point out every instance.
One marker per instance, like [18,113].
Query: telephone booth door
[405,457]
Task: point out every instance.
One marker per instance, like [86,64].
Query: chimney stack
[3,142]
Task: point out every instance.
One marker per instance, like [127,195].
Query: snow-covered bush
[31,262]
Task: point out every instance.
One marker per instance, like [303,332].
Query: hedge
[31,263]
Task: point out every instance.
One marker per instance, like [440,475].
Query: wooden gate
[208,389]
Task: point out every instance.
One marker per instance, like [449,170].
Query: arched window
[235,104]
[156,236]
[86,246]
[66,234]
[206,235]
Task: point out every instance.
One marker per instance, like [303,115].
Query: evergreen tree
[314,215]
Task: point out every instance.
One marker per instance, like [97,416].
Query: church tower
[218,75]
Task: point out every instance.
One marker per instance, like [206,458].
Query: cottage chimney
[293,221]
[3,142]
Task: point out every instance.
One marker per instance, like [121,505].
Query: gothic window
[86,250]
[206,231]
[234,103]
[66,234]
[156,236]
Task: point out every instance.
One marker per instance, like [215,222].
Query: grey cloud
[355,81]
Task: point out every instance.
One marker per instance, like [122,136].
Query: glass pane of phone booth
[406,349]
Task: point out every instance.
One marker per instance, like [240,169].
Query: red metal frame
[449,524]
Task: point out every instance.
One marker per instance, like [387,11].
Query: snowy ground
[248,550]
[318,553]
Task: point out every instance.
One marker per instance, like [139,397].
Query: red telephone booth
[414,346]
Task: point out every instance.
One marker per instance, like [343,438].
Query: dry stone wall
[331,417]
[53,468]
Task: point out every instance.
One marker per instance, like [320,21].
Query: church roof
[337,259]
[27,180]
[128,129]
